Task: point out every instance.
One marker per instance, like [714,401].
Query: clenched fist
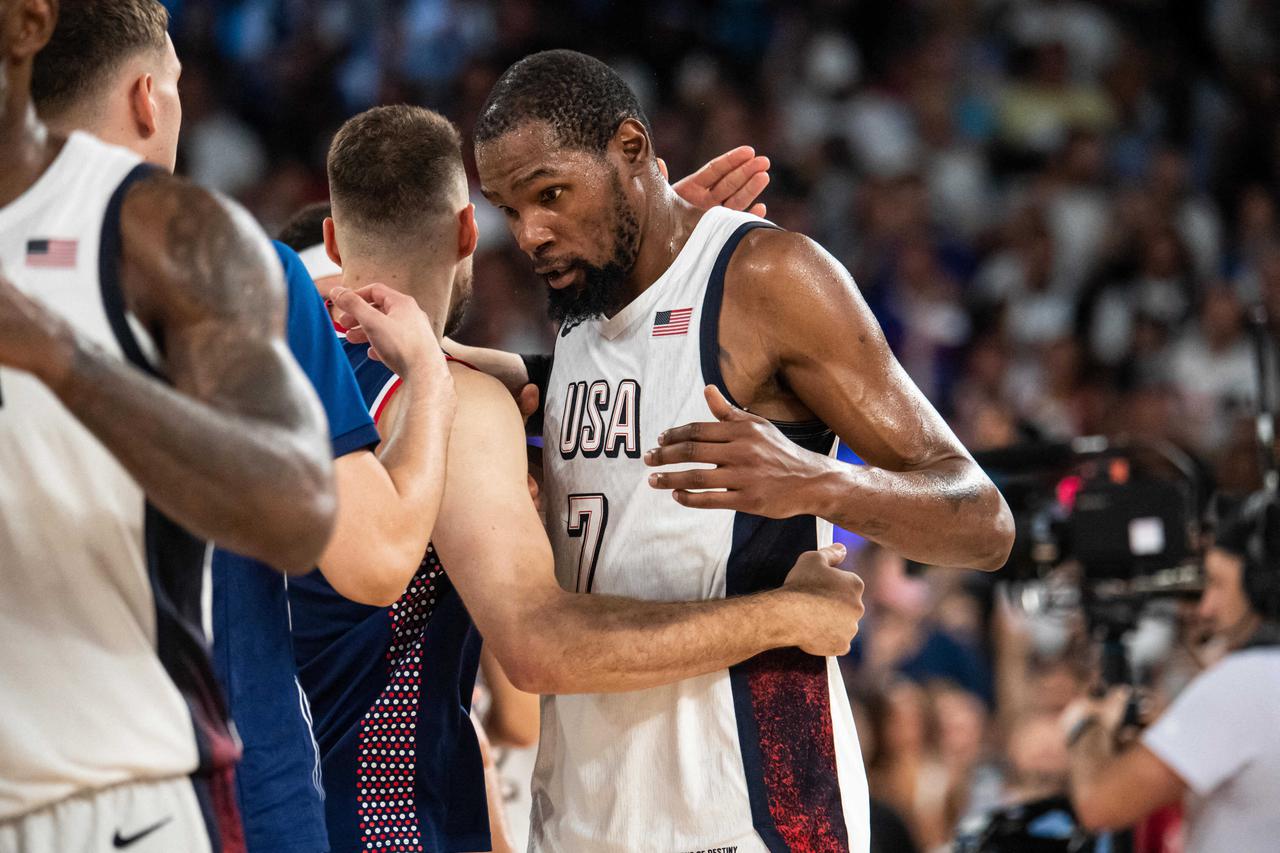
[830,601]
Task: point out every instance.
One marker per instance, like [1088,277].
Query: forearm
[388,505]
[949,514]
[1088,759]
[415,455]
[247,483]
[605,644]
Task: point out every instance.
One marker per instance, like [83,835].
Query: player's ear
[331,241]
[468,232]
[142,107]
[28,26]
[632,141]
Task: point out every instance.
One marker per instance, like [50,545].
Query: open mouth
[559,277]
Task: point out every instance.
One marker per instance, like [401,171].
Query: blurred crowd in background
[1059,210]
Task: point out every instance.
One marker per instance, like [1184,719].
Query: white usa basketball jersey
[98,591]
[762,756]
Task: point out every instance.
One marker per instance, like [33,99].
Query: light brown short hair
[91,40]
[389,167]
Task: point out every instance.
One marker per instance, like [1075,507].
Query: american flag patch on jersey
[670,323]
[52,254]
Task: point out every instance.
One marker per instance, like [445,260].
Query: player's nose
[533,238]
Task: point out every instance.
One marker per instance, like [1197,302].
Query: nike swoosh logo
[121,841]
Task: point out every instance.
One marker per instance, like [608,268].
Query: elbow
[1091,813]
[998,534]
[304,541]
[376,573]
[531,676]
[301,522]
[529,669]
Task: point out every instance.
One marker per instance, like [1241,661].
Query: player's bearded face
[602,290]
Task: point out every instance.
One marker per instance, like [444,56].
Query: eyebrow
[542,172]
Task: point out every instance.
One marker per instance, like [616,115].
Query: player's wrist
[57,366]
[823,492]
[787,615]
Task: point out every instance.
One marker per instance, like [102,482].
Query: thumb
[834,553]
[353,304]
[721,407]
[662,167]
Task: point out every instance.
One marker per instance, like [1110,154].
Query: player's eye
[507,212]
[550,194]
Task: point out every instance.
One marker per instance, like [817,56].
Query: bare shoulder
[774,269]
[479,389]
[794,295]
[484,404]
[189,254]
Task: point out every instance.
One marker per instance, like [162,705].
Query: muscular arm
[920,493]
[796,333]
[235,450]
[550,641]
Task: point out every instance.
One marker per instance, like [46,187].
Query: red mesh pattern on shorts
[792,703]
[384,790]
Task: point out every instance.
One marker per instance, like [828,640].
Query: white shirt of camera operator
[1222,737]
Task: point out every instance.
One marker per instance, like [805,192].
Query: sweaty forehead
[529,151]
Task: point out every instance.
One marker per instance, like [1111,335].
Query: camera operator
[1217,744]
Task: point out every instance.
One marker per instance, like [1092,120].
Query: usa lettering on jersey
[599,418]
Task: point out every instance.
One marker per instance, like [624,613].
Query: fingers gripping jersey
[762,756]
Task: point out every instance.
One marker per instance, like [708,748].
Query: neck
[1243,632]
[26,147]
[666,221]
[429,283]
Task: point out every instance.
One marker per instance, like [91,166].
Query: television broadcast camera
[1103,526]
[1111,528]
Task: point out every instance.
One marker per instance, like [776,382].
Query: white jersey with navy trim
[762,756]
[87,701]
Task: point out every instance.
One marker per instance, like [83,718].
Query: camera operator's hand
[1107,711]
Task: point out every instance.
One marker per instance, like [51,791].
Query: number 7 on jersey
[588,518]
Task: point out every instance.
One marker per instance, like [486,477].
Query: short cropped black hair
[306,227]
[391,166]
[582,99]
[91,40]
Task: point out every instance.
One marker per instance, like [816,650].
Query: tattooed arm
[800,342]
[235,450]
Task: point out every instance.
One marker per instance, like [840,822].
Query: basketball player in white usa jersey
[659,301]
[144,393]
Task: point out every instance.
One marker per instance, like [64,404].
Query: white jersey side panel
[665,769]
[87,702]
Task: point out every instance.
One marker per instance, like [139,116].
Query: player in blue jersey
[391,687]
[110,69]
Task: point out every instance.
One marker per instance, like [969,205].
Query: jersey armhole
[110,252]
[712,302]
[811,435]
